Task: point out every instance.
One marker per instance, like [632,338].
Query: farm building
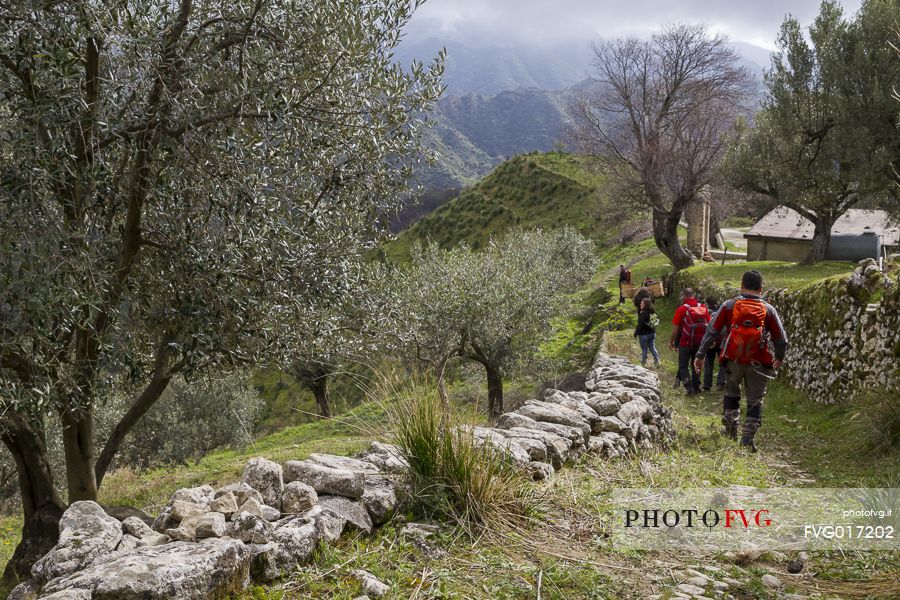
[859,233]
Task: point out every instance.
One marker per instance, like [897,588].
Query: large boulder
[298,497]
[557,448]
[212,568]
[514,419]
[605,405]
[613,424]
[266,477]
[288,546]
[483,436]
[547,412]
[353,512]
[637,410]
[343,462]
[325,480]
[224,503]
[241,491]
[249,528]
[201,495]
[379,498]
[85,533]
[386,457]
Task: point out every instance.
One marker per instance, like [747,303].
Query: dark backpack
[693,324]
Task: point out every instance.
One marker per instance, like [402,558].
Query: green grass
[775,274]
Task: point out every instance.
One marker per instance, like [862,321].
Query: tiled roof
[785,223]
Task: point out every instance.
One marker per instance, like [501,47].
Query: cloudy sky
[512,22]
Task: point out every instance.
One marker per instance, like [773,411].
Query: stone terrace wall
[209,543]
[844,332]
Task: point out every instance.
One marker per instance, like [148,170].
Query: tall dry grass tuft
[875,423]
[453,478]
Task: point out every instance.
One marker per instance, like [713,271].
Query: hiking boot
[706,389]
[747,442]
[730,431]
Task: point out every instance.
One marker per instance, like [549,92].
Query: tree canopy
[493,306]
[181,182]
[657,120]
[827,138]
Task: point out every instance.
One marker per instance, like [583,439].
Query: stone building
[859,233]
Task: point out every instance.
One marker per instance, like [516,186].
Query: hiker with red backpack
[690,321]
[750,325]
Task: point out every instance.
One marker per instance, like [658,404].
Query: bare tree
[657,119]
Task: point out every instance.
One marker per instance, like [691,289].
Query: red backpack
[693,324]
[746,342]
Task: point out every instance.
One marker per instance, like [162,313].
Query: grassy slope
[532,190]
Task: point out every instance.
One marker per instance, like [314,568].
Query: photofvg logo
[715,519]
[728,518]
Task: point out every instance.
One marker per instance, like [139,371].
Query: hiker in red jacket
[690,322]
[752,325]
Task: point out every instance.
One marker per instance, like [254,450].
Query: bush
[191,420]
[452,477]
[875,420]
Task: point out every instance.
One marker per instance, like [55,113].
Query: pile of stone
[620,410]
[209,542]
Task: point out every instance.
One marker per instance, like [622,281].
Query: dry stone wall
[210,543]
[844,332]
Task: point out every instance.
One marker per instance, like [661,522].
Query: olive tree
[355,328]
[182,182]
[657,120]
[827,137]
[493,307]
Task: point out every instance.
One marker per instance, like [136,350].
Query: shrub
[452,476]
[875,420]
[191,420]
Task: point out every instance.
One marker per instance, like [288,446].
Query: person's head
[712,301]
[646,303]
[621,267]
[752,282]
[687,294]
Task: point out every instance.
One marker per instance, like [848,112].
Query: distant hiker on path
[624,277]
[690,322]
[713,305]
[645,332]
[751,323]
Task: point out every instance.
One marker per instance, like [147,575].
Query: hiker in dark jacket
[639,298]
[712,355]
[646,332]
[624,277]
[752,325]
[690,326]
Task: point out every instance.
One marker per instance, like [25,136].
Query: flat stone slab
[211,568]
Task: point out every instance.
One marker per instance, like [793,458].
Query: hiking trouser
[648,344]
[686,371]
[709,367]
[753,381]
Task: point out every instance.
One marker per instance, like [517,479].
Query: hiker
[751,323]
[645,332]
[690,326]
[624,277]
[639,298]
[713,305]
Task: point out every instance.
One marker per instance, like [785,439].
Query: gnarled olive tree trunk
[41,505]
